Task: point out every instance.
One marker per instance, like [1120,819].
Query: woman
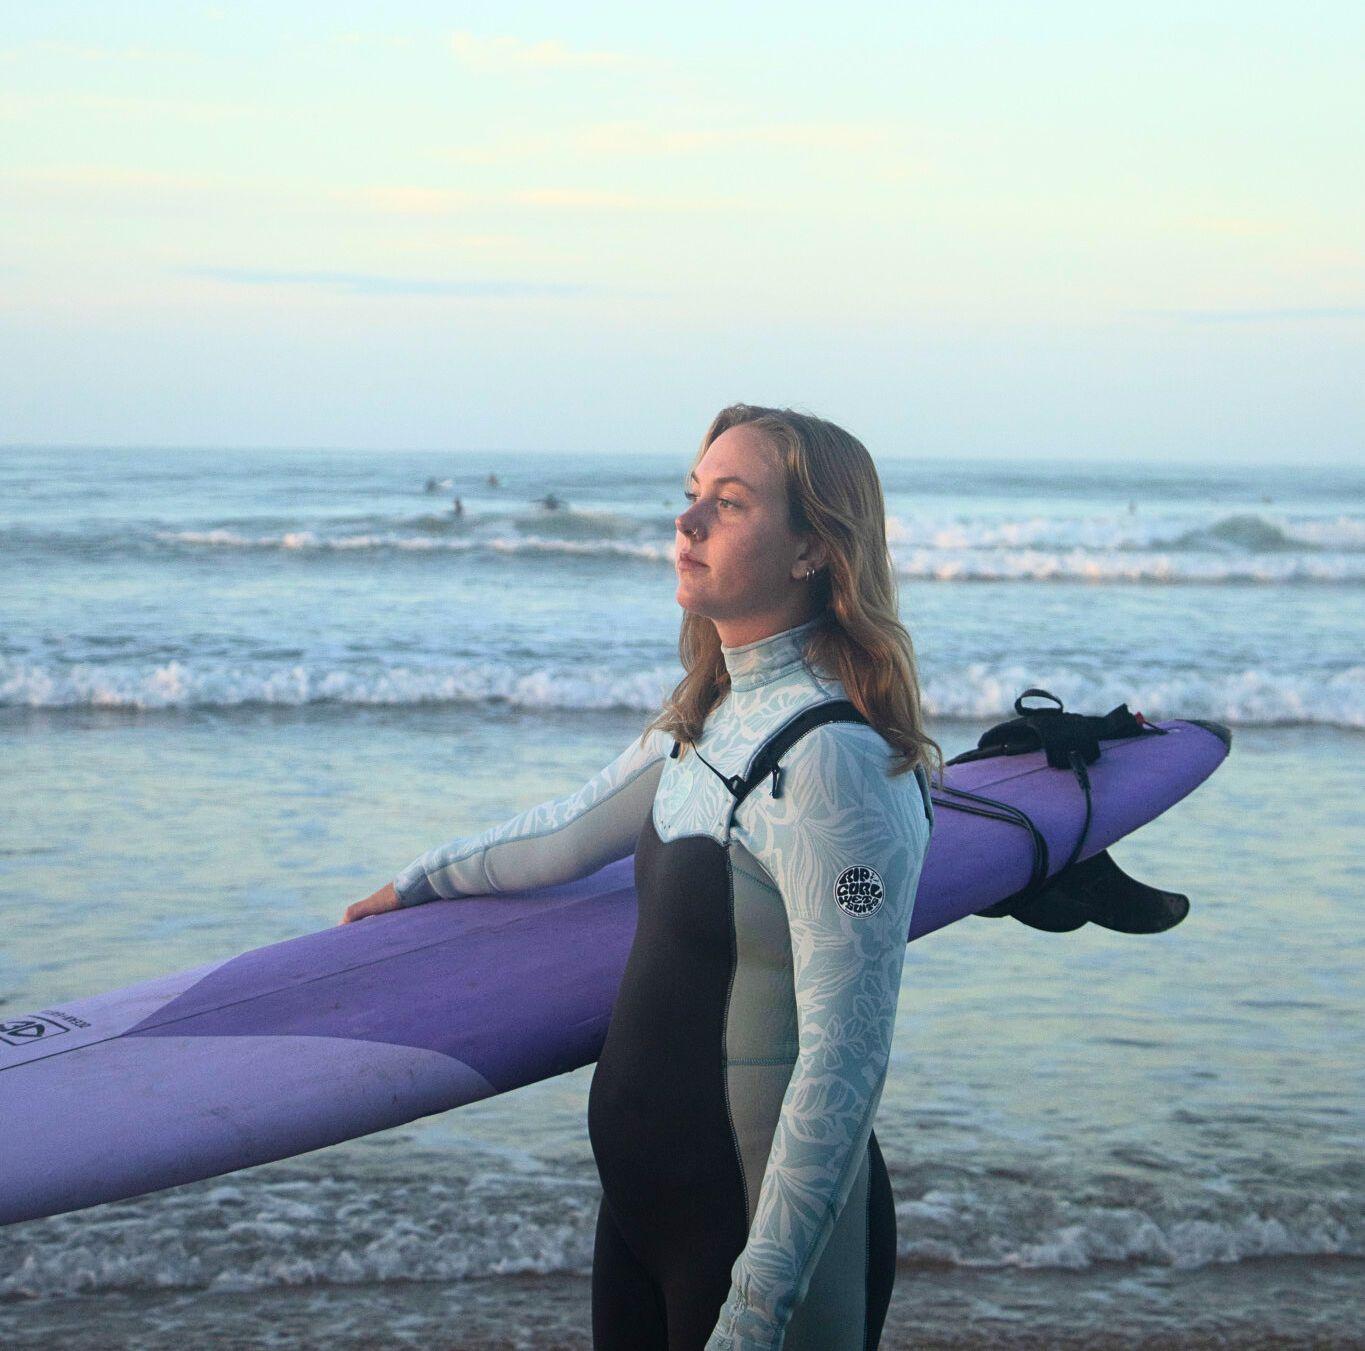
[745,1201]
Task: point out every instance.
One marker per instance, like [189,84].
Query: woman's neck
[757,662]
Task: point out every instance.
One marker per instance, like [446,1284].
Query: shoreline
[1254,1305]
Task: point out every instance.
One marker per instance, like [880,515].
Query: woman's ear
[813,555]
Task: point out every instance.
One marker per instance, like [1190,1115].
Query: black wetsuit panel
[657,1115]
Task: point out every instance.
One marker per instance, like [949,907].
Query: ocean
[241,689]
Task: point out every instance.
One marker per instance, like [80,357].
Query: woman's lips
[686,562]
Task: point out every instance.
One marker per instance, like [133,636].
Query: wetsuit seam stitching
[867,1257]
[762,881]
[724,1033]
[831,1210]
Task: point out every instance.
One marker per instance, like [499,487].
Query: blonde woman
[779,812]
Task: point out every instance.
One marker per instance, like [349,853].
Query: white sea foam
[177,684]
[977,691]
[1036,1227]
[1240,548]
[309,541]
[239,1235]
[256,1233]
[1247,698]
[1340,532]
[1007,564]
[1222,532]
[943,562]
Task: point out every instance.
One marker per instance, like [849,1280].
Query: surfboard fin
[1096,891]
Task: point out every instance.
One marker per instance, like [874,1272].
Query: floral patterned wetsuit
[745,1202]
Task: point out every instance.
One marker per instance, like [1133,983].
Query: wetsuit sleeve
[844,844]
[553,842]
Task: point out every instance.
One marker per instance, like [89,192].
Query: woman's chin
[686,596]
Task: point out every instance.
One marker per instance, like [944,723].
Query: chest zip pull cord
[734,782]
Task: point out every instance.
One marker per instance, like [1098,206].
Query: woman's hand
[386,898]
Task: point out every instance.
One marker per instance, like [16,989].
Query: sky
[982,230]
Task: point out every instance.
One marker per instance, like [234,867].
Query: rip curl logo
[859,891]
[25,1031]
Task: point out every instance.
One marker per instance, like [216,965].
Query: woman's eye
[724,501]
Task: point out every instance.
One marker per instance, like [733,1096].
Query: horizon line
[1178,460]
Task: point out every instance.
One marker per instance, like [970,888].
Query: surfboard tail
[1096,891]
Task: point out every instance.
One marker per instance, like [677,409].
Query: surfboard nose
[1223,733]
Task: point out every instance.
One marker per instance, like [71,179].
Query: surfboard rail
[362,1027]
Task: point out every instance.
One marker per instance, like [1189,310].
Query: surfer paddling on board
[778,808]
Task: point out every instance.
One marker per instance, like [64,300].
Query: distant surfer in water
[778,808]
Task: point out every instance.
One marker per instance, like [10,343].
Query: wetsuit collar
[757,663]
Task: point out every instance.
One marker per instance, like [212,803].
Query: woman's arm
[845,845]
[552,842]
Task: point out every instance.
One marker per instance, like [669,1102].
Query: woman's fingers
[383,899]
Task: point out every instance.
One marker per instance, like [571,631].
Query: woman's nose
[688,521]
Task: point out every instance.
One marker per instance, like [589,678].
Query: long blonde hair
[832,490]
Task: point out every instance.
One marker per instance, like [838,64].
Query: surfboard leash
[1069,741]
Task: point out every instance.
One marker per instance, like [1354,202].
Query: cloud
[78,52]
[374,39]
[624,140]
[1246,227]
[153,191]
[638,138]
[364,283]
[98,178]
[509,53]
[592,198]
[1305,312]
[409,201]
[135,105]
[419,201]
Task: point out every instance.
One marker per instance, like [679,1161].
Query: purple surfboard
[365,1026]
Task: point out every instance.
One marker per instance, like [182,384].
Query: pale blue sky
[988,229]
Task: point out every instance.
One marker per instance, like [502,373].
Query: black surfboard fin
[1096,891]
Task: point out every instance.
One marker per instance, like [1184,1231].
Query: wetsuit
[745,1202]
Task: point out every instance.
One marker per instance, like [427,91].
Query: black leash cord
[1038,873]
[1083,775]
[1011,816]
[1014,816]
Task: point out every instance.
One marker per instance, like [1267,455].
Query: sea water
[240,690]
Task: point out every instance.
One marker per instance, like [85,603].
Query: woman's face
[739,562]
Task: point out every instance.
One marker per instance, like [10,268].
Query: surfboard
[365,1026]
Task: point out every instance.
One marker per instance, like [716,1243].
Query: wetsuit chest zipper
[777,745]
